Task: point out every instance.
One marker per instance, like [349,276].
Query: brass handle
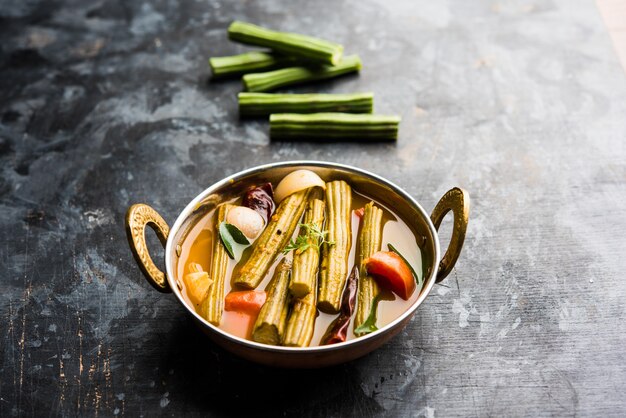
[137,218]
[456,200]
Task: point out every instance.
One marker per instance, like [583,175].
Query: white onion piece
[247,220]
[296,181]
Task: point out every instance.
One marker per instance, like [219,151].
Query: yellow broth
[196,248]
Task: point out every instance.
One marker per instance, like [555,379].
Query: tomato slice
[391,272]
[245,301]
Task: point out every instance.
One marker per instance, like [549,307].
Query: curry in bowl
[301,263]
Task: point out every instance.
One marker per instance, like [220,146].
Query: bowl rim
[170,250]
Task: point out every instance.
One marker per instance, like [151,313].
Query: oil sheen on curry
[300,263]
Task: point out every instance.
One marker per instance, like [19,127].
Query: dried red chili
[338,330]
[261,200]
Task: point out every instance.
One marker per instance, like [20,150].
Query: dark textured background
[104,103]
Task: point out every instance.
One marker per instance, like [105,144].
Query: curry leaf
[233,239]
[236,233]
[369,325]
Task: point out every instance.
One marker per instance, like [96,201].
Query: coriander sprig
[313,237]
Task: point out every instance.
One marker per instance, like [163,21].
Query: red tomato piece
[246,301]
[359,212]
[391,272]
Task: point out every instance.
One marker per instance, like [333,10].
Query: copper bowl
[424,226]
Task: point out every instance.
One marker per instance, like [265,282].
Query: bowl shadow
[208,378]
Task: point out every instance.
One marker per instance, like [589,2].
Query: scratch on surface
[91,374]
[22,340]
[80,349]
[97,395]
[555,379]
[572,388]
[10,331]
[62,381]
[80,360]
[27,290]
[108,384]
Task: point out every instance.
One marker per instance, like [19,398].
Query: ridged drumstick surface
[334,266]
[301,323]
[293,44]
[334,126]
[306,263]
[213,303]
[370,241]
[273,239]
[283,77]
[248,62]
[263,104]
[269,326]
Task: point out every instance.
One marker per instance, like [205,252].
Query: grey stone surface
[106,103]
